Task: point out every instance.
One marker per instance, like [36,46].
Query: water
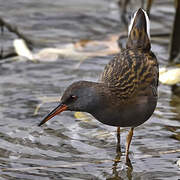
[68,148]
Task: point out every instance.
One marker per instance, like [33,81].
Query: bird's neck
[103,95]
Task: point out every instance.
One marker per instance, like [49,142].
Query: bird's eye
[70,99]
[73,97]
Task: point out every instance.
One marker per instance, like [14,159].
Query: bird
[126,93]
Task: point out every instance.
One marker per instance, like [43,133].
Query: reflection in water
[119,174]
[122,173]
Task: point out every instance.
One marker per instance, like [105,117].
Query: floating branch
[15,30]
[45,100]
[169,76]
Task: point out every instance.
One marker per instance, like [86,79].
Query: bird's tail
[139,31]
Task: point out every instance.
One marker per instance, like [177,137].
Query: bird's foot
[128,162]
[118,157]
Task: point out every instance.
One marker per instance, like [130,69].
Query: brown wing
[131,71]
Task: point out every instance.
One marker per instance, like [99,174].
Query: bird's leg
[128,142]
[118,146]
[118,134]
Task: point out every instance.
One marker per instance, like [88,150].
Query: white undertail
[147,23]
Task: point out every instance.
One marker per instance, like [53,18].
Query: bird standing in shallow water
[126,95]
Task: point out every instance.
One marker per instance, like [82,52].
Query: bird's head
[79,96]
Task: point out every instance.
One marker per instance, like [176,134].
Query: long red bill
[54,112]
